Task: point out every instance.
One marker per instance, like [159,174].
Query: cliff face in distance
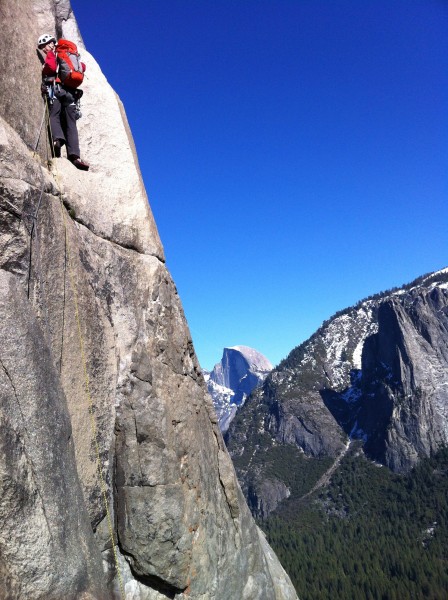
[240,370]
[376,372]
[405,369]
[91,325]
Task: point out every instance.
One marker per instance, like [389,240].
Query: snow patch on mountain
[340,343]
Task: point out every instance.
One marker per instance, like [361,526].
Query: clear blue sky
[295,152]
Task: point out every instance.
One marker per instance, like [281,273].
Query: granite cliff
[93,335]
[240,370]
[376,372]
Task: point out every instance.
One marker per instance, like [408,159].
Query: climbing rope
[85,371]
[35,233]
[33,228]
[40,128]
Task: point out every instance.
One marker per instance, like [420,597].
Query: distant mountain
[239,372]
[377,372]
[369,388]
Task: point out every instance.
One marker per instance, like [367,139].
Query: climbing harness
[69,263]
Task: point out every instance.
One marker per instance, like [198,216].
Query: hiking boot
[80,164]
[57,148]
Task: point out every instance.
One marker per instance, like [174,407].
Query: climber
[63,100]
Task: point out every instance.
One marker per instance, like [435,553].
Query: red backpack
[70,68]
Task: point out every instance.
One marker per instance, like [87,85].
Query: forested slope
[369,534]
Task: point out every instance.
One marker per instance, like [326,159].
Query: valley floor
[366,532]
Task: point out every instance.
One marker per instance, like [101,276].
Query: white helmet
[45,39]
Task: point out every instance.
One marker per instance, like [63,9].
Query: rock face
[405,371]
[264,495]
[241,369]
[102,398]
[376,372]
[239,372]
[44,519]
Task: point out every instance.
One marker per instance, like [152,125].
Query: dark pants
[63,121]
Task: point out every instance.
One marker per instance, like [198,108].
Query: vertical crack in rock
[29,460]
[64,287]
[137,442]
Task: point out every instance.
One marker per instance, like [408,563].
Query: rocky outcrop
[404,406]
[264,495]
[102,399]
[375,372]
[239,372]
